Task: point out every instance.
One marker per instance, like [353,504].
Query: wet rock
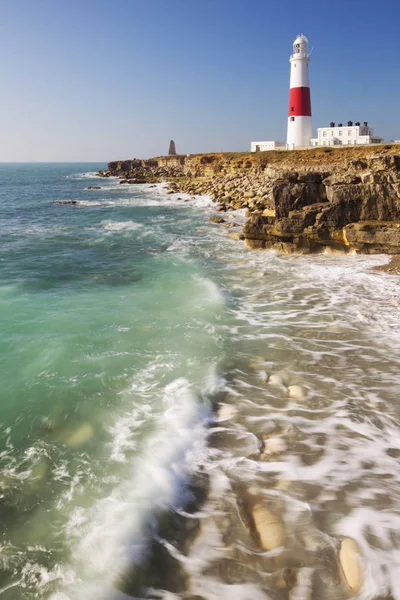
[217,220]
[269,528]
[158,570]
[273,445]
[94,187]
[276,379]
[351,565]
[73,202]
[297,392]
[74,438]
[236,236]
[225,413]
[39,473]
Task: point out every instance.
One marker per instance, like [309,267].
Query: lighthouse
[299,131]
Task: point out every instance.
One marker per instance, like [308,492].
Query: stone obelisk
[172,149]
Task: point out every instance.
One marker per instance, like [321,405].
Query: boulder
[234,235]
[94,187]
[374,236]
[217,220]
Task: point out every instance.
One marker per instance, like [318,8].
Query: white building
[343,135]
[263,146]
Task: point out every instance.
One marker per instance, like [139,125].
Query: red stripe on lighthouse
[300,102]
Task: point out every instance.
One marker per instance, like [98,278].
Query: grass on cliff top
[325,155]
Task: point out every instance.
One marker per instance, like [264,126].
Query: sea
[155,373]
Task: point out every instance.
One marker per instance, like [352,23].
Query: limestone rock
[297,202]
[225,413]
[269,527]
[74,438]
[235,236]
[351,564]
[217,220]
[297,392]
[273,445]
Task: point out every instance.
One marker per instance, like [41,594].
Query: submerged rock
[297,392]
[273,445]
[276,379]
[351,565]
[74,438]
[268,527]
[94,187]
[225,413]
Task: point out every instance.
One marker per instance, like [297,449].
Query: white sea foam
[118,226]
[88,175]
[101,535]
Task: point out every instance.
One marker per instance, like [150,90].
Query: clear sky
[99,80]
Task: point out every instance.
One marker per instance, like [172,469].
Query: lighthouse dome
[300,45]
[301,39]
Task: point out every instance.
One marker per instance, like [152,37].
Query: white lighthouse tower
[299,130]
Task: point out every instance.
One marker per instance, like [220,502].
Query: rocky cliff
[346,198]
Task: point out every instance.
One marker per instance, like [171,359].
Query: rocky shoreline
[345,199]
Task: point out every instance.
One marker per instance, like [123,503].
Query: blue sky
[102,80]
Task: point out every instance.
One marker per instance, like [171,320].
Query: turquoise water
[122,319]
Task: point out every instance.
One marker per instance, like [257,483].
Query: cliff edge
[346,198]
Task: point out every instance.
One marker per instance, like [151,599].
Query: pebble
[297,392]
[276,380]
[274,445]
[351,564]
[269,527]
[225,412]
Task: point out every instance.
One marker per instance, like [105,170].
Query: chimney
[365,123]
[358,124]
[332,124]
[349,123]
[340,124]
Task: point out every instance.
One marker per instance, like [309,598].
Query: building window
[349,142]
[332,132]
[292,118]
[349,132]
[340,133]
[324,133]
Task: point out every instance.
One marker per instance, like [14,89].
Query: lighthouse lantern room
[299,130]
